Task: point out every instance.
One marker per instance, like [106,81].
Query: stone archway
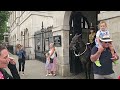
[79,22]
[26,32]
[62,27]
[21,37]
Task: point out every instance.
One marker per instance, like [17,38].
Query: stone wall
[112,19]
[63,53]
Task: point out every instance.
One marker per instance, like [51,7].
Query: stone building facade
[112,19]
[24,24]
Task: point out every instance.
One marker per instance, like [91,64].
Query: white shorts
[110,76]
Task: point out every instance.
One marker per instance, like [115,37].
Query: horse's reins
[82,52]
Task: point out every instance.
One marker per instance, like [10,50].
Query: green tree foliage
[4,15]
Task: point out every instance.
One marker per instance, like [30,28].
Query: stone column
[63,51]
[31,48]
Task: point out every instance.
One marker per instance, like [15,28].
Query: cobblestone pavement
[35,69]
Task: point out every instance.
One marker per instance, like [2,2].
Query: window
[84,23]
[6,39]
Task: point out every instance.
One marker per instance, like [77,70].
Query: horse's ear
[79,35]
[76,34]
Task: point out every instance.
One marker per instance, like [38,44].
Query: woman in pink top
[53,56]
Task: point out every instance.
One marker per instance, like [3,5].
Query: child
[100,34]
[47,65]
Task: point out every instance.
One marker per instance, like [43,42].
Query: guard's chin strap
[79,54]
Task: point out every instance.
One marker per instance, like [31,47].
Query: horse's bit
[79,54]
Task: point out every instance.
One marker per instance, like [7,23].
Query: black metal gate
[42,40]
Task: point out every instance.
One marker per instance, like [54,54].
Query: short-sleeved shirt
[101,33]
[105,61]
[21,54]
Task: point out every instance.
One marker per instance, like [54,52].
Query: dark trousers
[21,63]
[13,71]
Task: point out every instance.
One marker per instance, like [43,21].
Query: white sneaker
[46,75]
[50,74]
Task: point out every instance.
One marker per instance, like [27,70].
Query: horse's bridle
[79,54]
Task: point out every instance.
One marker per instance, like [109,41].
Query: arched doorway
[80,22]
[26,32]
[22,43]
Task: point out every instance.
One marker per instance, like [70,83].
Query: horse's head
[75,40]
[81,50]
[78,46]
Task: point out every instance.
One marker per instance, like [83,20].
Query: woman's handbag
[51,60]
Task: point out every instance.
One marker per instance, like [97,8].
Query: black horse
[83,51]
